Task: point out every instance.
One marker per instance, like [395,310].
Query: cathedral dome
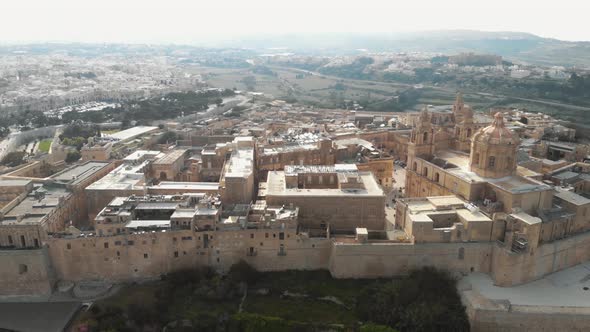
[496,133]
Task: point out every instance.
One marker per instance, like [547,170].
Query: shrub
[243,272]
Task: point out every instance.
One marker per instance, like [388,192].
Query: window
[425,171]
[251,235]
[176,254]
[425,137]
[36,243]
[469,132]
[106,245]
[22,269]
[475,159]
[145,256]
[281,236]
[10,240]
[261,244]
[130,243]
[22,241]
[266,235]
[69,246]
[117,243]
[492,162]
[436,177]
[118,253]
[461,254]
[415,167]
[309,179]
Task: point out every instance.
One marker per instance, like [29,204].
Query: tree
[243,272]
[426,300]
[73,156]
[13,159]
[4,131]
[168,137]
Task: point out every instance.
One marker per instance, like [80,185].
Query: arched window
[163,176]
[425,171]
[436,177]
[475,159]
[468,132]
[461,253]
[415,167]
[492,162]
[425,137]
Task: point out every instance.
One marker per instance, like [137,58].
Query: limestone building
[337,197]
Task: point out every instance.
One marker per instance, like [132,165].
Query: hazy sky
[184,21]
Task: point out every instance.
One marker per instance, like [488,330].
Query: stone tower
[422,138]
[458,108]
[464,129]
[493,150]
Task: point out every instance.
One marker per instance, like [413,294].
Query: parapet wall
[25,272]
[492,316]
[510,269]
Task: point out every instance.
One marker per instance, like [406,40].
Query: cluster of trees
[263,70]
[158,108]
[425,300]
[77,134]
[14,158]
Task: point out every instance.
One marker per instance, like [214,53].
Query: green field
[45,145]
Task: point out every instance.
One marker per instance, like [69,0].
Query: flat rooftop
[79,173]
[14,183]
[33,209]
[124,177]
[196,186]
[142,154]
[241,163]
[341,143]
[513,183]
[518,184]
[305,169]
[561,289]
[421,208]
[276,187]
[170,157]
[572,197]
[133,132]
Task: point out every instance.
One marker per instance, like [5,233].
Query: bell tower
[422,138]
[458,108]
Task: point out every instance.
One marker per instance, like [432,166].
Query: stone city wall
[375,260]
[512,269]
[25,272]
[493,316]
